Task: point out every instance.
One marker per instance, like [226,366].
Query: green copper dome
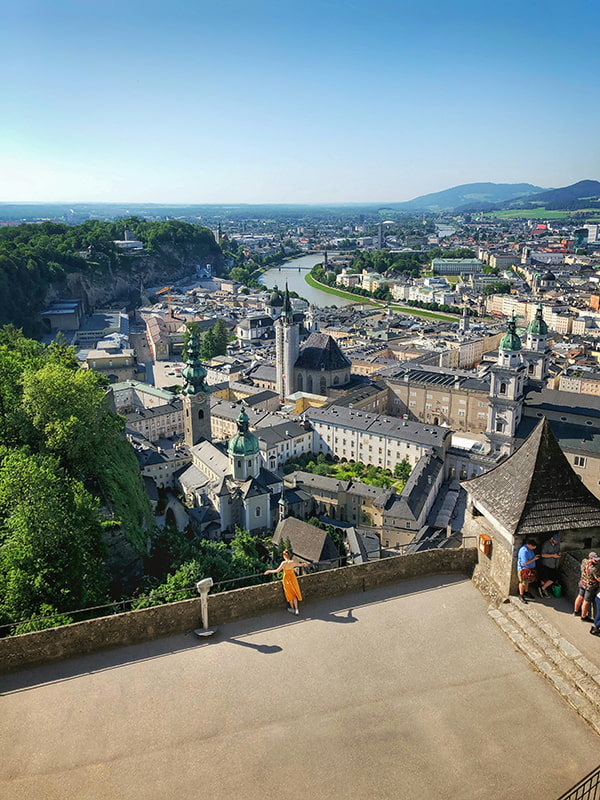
[537,326]
[510,340]
[243,443]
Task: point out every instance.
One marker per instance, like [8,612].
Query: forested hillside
[67,475]
[36,259]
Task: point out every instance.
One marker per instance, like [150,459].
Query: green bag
[557,590]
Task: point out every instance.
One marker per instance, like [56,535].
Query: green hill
[468,193]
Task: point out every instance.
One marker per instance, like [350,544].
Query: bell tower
[536,354]
[506,392]
[196,395]
[287,348]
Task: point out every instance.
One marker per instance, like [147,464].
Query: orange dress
[291,587]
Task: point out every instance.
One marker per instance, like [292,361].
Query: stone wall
[133,627]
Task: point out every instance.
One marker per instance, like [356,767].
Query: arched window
[309,384]
[300,383]
[200,413]
[323,386]
[336,380]
[258,511]
[502,387]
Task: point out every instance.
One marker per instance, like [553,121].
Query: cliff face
[123,285]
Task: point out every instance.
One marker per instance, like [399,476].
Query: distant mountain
[583,190]
[468,194]
[577,196]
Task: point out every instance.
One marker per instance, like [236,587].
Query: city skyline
[327,102]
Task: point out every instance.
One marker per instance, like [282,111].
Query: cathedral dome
[511,340]
[537,326]
[276,298]
[549,276]
[243,443]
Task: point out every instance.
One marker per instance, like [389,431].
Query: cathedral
[516,364]
[316,368]
[226,483]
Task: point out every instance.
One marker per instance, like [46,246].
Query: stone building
[531,494]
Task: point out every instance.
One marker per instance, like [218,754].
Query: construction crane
[167,289]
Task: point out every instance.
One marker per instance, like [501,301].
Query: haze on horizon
[270,101]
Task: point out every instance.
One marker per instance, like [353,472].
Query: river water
[294,273]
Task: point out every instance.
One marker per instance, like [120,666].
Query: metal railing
[587,788]
[122,606]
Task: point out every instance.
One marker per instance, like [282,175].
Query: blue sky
[294,101]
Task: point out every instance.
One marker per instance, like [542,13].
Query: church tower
[537,353]
[287,348]
[196,396]
[506,392]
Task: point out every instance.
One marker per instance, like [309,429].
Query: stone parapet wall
[134,627]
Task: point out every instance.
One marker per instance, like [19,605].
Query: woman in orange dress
[291,586]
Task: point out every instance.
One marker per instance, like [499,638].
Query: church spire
[194,373]
[287,305]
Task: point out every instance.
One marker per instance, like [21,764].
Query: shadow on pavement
[336,609]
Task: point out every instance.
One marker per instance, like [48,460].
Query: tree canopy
[66,475]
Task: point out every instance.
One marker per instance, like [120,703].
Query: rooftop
[403,691]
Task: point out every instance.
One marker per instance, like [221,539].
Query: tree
[402,470]
[208,346]
[52,552]
[221,336]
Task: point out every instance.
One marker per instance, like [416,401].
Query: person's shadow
[331,617]
[267,649]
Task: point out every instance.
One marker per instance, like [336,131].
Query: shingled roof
[321,352]
[536,491]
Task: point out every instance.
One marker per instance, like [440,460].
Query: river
[294,272]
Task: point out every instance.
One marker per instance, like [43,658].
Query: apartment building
[374,438]
[442,398]
[160,422]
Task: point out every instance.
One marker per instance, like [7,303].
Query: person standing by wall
[588,586]
[548,566]
[291,587]
[526,560]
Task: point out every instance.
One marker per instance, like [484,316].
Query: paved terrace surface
[408,691]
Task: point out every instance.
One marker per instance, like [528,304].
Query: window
[499,426]
[258,512]
[502,387]
[579,461]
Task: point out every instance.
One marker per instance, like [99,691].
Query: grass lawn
[529,213]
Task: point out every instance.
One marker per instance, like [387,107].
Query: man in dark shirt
[548,566]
